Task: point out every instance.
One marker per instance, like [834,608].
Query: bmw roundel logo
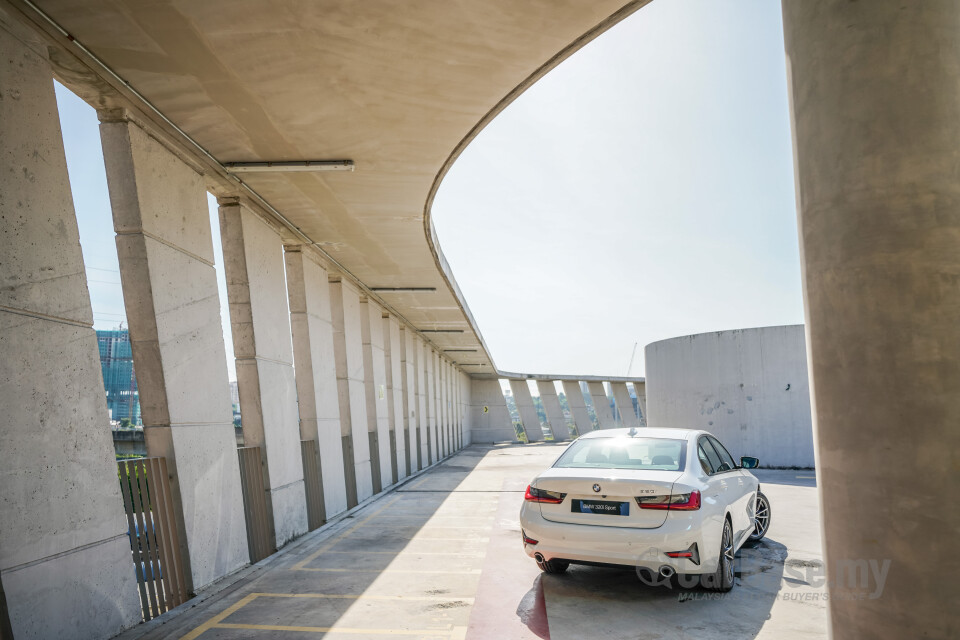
[596,488]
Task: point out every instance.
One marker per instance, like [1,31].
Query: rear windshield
[625,453]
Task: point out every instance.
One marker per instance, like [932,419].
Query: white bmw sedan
[663,500]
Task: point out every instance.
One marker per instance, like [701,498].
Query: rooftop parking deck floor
[440,557]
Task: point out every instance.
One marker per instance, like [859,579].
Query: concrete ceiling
[398,87]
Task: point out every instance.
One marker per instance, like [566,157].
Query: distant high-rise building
[116,362]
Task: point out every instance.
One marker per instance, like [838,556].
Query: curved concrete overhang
[399,89]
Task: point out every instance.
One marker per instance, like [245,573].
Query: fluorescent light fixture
[295,166]
[441,330]
[404,289]
[472,364]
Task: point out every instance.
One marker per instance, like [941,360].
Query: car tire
[722,579]
[763,513]
[553,566]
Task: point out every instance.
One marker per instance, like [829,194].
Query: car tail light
[542,495]
[674,502]
[527,539]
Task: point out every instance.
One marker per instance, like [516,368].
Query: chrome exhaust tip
[538,557]
[667,571]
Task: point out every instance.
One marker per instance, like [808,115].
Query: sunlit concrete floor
[440,557]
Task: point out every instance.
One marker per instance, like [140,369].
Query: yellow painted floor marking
[212,622]
[436,526]
[806,477]
[347,596]
[370,632]
[216,622]
[412,571]
[300,565]
[415,553]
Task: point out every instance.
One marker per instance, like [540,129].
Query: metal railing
[316,508]
[255,510]
[154,540]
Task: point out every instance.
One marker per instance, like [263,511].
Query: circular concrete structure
[749,387]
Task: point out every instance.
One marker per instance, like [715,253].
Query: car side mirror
[748,462]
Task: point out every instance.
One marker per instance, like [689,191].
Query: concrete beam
[601,405]
[423,420]
[394,369]
[64,553]
[551,405]
[621,395]
[528,413]
[165,250]
[430,360]
[375,386]
[254,268]
[316,374]
[875,93]
[578,408]
[408,399]
[351,390]
[641,390]
[490,419]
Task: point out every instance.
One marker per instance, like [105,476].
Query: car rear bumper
[644,548]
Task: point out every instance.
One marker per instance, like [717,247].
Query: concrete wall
[64,553]
[488,415]
[748,387]
[254,268]
[351,389]
[312,327]
[165,251]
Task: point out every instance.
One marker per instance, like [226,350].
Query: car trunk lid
[614,505]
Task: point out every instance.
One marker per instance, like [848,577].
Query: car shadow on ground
[613,603]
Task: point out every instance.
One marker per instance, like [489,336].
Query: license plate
[602,507]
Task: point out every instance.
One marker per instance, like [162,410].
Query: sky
[88,182]
[642,190]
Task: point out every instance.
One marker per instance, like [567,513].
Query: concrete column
[601,405]
[423,418]
[254,268]
[430,359]
[641,390]
[409,399]
[578,408]
[165,249]
[445,406]
[375,384]
[551,405]
[875,93]
[64,552]
[621,395]
[528,413]
[313,355]
[490,419]
[394,368]
[351,390]
[458,405]
[466,394]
